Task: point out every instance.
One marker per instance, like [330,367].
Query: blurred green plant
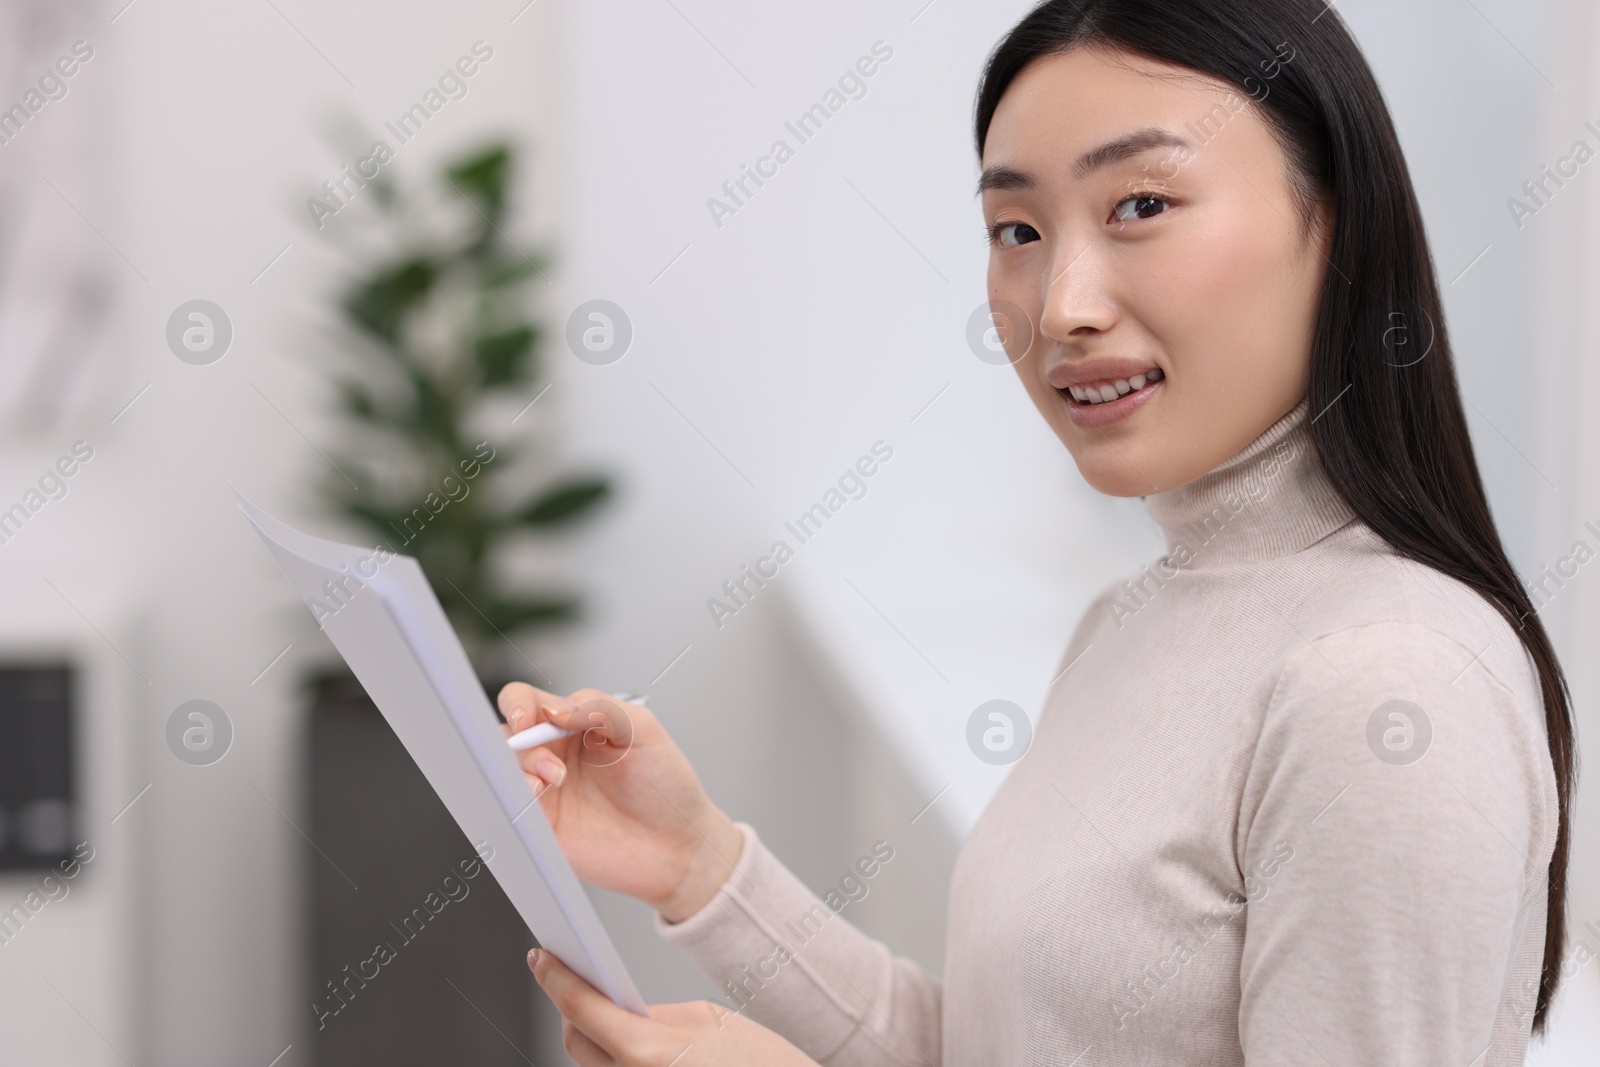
[442,335]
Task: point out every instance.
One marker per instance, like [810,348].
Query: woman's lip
[1097,416]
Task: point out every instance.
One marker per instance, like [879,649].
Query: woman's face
[1146,230]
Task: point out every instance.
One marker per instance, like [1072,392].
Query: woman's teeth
[1121,387]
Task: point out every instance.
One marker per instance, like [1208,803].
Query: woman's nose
[1076,296]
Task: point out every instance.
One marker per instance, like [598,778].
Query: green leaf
[358,401]
[434,411]
[512,272]
[512,613]
[506,456]
[502,358]
[379,305]
[384,192]
[484,178]
[565,501]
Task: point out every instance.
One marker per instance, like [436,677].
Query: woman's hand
[626,806]
[597,1033]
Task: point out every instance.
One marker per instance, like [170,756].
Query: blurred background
[212,278]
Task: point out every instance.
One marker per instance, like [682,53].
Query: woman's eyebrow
[1001,176]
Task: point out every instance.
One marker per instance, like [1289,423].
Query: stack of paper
[384,619]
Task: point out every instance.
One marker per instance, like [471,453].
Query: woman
[1300,793]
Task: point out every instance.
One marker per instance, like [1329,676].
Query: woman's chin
[1113,473]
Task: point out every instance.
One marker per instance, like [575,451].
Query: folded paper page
[381,614]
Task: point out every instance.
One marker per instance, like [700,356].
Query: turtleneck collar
[1272,499]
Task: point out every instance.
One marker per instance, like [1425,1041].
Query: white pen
[546,732]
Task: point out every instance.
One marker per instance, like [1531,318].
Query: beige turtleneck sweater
[1226,845]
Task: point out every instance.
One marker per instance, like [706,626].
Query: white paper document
[383,617]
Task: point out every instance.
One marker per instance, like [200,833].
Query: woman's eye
[1138,206]
[1011,234]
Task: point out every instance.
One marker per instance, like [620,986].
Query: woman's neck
[1271,499]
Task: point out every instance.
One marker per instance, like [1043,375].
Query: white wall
[1568,394]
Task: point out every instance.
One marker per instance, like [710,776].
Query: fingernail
[533,958]
[561,705]
[518,714]
[552,771]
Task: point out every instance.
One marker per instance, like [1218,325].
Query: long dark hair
[1390,431]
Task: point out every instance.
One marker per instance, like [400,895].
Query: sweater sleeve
[789,962]
[1396,828]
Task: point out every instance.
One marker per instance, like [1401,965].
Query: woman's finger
[605,725]
[542,764]
[612,1028]
[524,706]
[582,1049]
